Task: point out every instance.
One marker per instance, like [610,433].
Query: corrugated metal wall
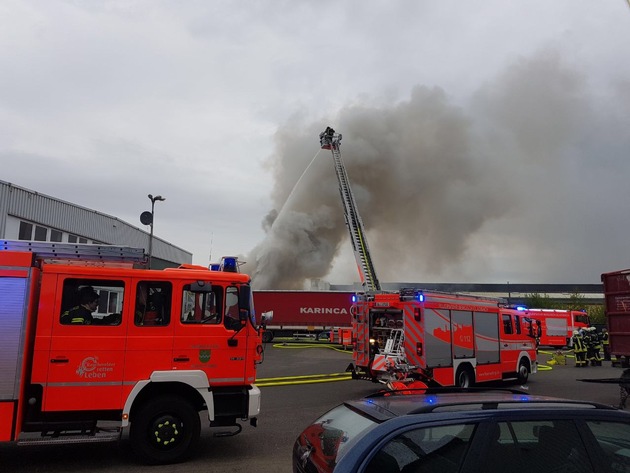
[48,211]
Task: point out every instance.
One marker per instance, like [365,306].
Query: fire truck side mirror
[201,286]
[244,302]
[266,317]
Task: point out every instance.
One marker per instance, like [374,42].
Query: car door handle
[59,360]
[181,359]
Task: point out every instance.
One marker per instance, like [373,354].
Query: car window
[541,446]
[430,449]
[327,437]
[614,438]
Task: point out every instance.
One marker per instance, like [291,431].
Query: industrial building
[29,215]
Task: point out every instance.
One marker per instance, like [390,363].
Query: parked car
[465,430]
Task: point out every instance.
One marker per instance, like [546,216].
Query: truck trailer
[298,314]
[617,306]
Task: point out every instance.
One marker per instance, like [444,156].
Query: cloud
[484,142]
[437,184]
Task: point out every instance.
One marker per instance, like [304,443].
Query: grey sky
[485,141]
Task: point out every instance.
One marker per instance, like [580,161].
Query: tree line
[575,301]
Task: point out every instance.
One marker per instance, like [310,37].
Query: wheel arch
[524,357]
[467,366]
[190,385]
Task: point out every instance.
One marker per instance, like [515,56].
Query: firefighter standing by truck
[579,349]
[606,344]
[593,347]
[597,347]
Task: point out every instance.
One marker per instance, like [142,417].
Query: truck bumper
[254,401]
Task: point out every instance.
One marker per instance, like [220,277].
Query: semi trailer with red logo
[95,345]
[298,314]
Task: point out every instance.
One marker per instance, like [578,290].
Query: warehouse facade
[31,216]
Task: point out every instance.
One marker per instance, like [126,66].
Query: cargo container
[617,306]
[304,314]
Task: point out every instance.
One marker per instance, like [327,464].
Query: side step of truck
[53,438]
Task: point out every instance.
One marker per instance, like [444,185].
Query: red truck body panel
[558,325]
[617,304]
[305,309]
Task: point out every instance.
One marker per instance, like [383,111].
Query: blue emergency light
[230,264]
[431,399]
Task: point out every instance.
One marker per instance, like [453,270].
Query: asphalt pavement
[298,384]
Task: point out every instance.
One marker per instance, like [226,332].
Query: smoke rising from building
[428,175]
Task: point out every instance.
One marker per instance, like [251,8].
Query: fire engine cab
[94,343]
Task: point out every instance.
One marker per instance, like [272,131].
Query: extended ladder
[332,141]
[76,251]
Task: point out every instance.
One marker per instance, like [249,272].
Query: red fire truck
[304,313]
[557,326]
[409,336]
[448,339]
[93,344]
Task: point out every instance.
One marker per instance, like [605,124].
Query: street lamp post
[153,200]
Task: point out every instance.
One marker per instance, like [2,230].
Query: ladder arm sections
[332,141]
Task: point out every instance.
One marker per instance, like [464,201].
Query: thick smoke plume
[427,175]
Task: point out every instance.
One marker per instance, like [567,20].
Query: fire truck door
[510,339]
[87,348]
[209,336]
[150,330]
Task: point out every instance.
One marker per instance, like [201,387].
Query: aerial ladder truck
[332,141]
[329,140]
[410,338]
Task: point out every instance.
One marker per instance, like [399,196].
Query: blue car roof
[386,405]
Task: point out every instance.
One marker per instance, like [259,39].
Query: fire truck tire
[165,430]
[465,377]
[267,336]
[523,372]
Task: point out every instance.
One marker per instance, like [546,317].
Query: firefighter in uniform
[606,344]
[82,314]
[597,347]
[579,349]
[587,336]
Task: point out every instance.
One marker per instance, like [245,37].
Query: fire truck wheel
[523,372]
[465,377]
[164,430]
